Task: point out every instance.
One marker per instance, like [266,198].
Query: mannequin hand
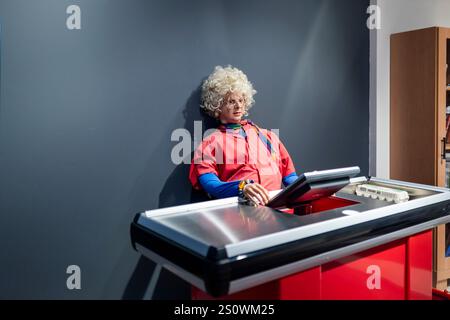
[256,193]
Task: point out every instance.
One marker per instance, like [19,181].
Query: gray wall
[86,118]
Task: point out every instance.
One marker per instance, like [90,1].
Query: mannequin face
[232,108]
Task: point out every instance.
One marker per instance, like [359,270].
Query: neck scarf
[264,139]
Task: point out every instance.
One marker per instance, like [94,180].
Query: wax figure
[239,158]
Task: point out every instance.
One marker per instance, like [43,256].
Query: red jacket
[231,156]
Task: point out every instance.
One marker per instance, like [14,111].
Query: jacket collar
[232,126]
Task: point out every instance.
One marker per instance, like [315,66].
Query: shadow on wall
[177,190]
[148,280]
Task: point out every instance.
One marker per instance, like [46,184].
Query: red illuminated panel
[323,204]
[419,265]
[374,274]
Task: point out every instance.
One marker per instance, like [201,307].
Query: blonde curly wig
[219,84]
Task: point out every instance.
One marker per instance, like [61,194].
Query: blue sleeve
[289,179]
[218,189]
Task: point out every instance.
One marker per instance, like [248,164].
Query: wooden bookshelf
[420,95]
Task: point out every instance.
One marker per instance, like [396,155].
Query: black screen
[313,185]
